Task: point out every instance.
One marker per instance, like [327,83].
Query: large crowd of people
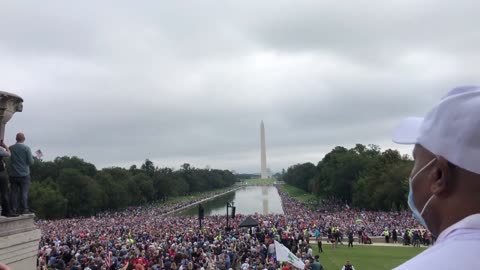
[334,214]
[145,238]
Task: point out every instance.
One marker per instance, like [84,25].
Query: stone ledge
[23,223]
[19,255]
[19,238]
[19,242]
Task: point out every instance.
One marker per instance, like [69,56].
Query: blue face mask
[416,214]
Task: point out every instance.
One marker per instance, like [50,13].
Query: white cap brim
[408,131]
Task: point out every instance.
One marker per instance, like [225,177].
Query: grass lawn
[260,181]
[298,193]
[361,257]
[365,257]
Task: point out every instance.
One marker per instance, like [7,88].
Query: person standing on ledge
[4,194]
[445,181]
[21,159]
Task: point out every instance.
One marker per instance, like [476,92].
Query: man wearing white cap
[445,181]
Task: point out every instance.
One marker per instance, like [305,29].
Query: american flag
[108,259]
[39,154]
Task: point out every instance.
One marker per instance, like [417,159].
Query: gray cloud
[116,82]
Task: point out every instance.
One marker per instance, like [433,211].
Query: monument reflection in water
[248,200]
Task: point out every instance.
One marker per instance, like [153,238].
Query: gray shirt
[21,159]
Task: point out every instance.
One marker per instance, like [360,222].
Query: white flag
[285,255]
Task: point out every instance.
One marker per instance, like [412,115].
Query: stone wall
[19,238]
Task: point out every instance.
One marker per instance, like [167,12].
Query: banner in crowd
[285,255]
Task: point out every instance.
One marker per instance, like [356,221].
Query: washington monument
[263,156]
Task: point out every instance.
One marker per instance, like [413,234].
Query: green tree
[48,202]
[362,175]
[81,191]
[148,168]
[145,187]
[301,176]
[338,172]
[114,195]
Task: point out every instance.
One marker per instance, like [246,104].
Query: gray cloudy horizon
[116,82]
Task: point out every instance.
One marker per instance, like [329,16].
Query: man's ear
[441,174]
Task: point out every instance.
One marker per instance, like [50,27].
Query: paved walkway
[356,244]
[391,245]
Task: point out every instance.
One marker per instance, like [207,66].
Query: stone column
[9,104]
[19,237]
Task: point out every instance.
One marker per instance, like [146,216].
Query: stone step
[19,239]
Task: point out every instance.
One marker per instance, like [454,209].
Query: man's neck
[469,207]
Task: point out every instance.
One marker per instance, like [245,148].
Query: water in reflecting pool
[248,200]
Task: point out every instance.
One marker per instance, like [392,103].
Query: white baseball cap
[451,129]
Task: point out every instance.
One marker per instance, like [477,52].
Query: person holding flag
[108,259]
[285,255]
[38,154]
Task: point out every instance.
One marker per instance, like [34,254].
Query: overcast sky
[189,81]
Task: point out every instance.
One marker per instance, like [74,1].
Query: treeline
[246,176]
[363,177]
[71,187]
